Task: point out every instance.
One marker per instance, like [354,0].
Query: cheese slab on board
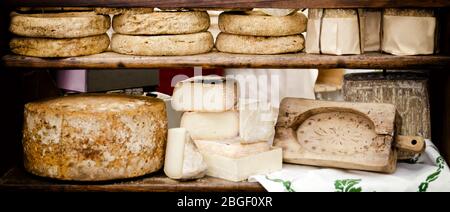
[211,126]
[256,121]
[205,94]
[240,169]
[183,161]
[232,148]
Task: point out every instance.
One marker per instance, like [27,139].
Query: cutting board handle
[415,144]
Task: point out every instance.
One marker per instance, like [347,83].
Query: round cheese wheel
[163,45]
[242,44]
[94,137]
[50,47]
[161,23]
[257,23]
[60,25]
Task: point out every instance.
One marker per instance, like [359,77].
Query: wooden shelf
[236,3]
[17,179]
[216,59]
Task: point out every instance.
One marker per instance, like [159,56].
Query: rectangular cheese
[256,121]
[233,148]
[211,126]
[240,169]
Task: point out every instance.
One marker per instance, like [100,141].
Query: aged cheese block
[183,161]
[340,134]
[94,137]
[242,44]
[257,23]
[205,94]
[163,45]
[256,121]
[232,148]
[161,23]
[59,25]
[118,11]
[211,126]
[51,47]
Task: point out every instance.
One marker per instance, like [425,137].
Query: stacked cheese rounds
[94,137]
[255,32]
[64,34]
[162,33]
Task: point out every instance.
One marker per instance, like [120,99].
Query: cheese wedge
[211,126]
[183,161]
[232,148]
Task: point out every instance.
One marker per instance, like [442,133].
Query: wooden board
[16,179]
[337,134]
[233,3]
[218,59]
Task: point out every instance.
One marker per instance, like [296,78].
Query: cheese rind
[94,137]
[232,148]
[183,161]
[211,126]
[205,94]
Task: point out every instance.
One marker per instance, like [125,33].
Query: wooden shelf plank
[237,3]
[16,179]
[216,59]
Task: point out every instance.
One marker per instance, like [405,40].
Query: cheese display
[205,94]
[59,25]
[409,31]
[161,23]
[163,45]
[94,137]
[256,121]
[335,31]
[242,44]
[51,47]
[183,161]
[257,23]
[232,148]
[211,126]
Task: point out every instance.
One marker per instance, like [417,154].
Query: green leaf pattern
[287,184]
[347,185]
[423,187]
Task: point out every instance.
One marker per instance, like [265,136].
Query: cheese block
[161,23]
[205,94]
[232,148]
[118,11]
[163,45]
[94,137]
[59,25]
[240,169]
[211,126]
[183,161]
[257,23]
[242,44]
[256,121]
[50,47]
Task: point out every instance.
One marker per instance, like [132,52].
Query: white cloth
[430,173]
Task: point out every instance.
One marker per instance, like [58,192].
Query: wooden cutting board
[341,135]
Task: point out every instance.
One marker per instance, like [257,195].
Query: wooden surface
[218,59]
[236,3]
[17,179]
[337,134]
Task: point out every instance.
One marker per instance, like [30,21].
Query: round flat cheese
[50,47]
[161,23]
[94,137]
[59,25]
[257,23]
[163,45]
[242,44]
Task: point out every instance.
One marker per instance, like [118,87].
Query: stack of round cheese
[63,34]
[255,32]
[94,137]
[162,33]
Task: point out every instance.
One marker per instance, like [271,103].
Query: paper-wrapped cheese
[409,31]
[94,137]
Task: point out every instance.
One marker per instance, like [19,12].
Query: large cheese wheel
[163,45]
[243,44]
[60,25]
[94,137]
[161,23]
[51,47]
[257,23]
